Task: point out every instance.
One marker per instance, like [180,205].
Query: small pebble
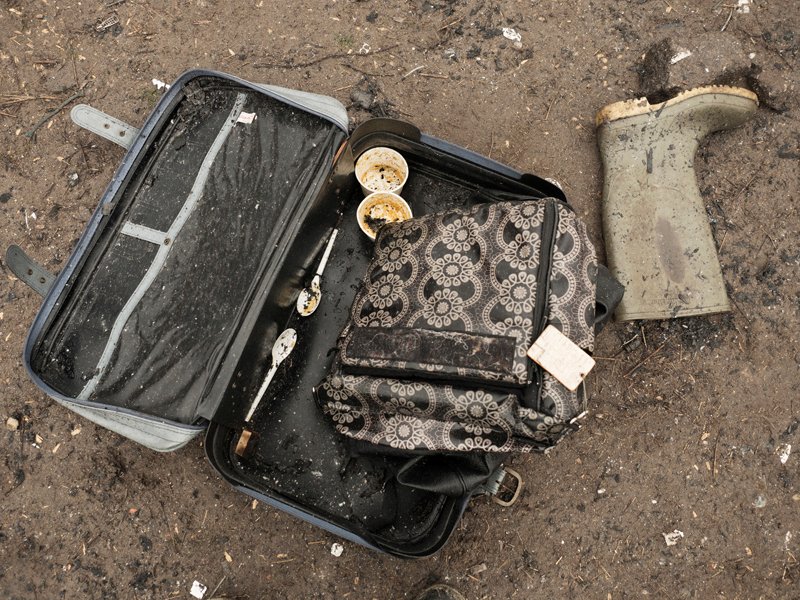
[12,424]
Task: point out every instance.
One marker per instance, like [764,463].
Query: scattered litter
[106,23]
[337,549]
[759,502]
[254,504]
[12,424]
[751,56]
[198,590]
[133,511]
[787,538]
[449,53]
[511,34]
[76,431]
[365,48]
[56,447]
[246,118]
[72,180]
[784,450]
[673,538]
[680,56]
[39,440]
[228,557]
[743,6]
[478,569]
[160,85]
[796,498]
[601,491]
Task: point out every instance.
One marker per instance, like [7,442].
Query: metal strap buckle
[508,491]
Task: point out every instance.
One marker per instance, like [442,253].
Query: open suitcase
[161,323]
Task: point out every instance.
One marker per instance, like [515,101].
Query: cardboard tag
[561,357]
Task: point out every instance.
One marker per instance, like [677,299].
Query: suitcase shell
[161,323]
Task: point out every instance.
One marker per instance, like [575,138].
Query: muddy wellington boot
[658,239]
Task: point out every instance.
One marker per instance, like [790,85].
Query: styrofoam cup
[381,169]
[384,207]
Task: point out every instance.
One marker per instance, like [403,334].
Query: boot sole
[640,106]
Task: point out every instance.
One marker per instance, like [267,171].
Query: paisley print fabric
[472,272]
[434,355]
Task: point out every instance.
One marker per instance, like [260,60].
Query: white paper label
[246,118]
[561,357]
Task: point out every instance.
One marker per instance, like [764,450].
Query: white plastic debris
[759,502]
[743,6]
[246,118]
[12,424]
[673,538]
[365,48]
[784,450]
[198,590]
[511,34]
[160,85]
[337,549]
[680,56]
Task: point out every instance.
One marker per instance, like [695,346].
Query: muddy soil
[687,419]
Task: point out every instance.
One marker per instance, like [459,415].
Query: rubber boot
[658,239]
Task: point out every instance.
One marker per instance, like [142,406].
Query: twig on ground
[450,24]
[32,132]
[645,359]
[412,71]
[728,20]
[290,64]
[547,114]
[714,463]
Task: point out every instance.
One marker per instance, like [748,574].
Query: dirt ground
[687,417]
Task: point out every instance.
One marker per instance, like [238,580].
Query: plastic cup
[380,208]
[381,170]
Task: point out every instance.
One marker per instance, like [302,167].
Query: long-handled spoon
[308,300]
[282,348]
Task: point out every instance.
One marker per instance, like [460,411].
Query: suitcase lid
[157,302]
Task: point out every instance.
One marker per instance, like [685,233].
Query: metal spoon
[282,348]
[308,300]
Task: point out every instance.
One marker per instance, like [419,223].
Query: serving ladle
[308,300]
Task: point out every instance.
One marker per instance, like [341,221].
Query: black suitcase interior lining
[167,353]
[198,342]
[298,456]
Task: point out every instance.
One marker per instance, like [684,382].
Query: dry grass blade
[11,99]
